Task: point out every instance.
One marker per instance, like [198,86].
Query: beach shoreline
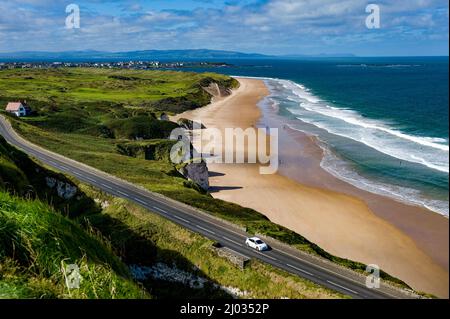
[408,242]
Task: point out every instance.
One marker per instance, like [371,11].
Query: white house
[17,108]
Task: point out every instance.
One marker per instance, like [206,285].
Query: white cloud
[277,25]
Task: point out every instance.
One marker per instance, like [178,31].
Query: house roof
[13,106]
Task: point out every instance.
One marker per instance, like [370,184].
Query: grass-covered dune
[101,101]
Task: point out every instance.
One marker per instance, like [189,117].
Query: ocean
[382,122]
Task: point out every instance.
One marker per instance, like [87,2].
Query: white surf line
[337,285]
[207,230]
[231,240]
[299,269]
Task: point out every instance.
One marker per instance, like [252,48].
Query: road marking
[209,231]
[161,210]
[299,269]
[89,179]
[231,240]
[180,218]
[337,285]
[327,270]
[193,214]
[123,194]
[104,185]
[139,201]
[270,257]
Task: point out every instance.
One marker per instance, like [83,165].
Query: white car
[256,243]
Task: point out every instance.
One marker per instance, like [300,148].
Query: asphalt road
[191,219]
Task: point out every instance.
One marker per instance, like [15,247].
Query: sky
[276,27]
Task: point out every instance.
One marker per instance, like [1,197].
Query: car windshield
[259,242]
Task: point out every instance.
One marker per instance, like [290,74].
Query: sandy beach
[408,242]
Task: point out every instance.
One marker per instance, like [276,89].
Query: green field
[101,131]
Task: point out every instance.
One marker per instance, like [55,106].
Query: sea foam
[382,136]
[432,152]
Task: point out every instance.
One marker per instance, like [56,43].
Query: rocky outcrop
[63,189]
[198,173]
[217,90]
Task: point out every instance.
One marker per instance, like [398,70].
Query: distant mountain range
[132,55]
[145,55]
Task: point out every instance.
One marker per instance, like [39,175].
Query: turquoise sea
[383,122]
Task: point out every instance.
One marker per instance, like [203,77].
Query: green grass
[105,102]
[36,243]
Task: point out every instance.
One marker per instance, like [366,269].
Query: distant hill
[145,55]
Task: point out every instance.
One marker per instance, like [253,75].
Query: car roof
[255,238]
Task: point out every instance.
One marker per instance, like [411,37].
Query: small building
[18,108]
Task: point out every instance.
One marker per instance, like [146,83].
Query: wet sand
[408,242]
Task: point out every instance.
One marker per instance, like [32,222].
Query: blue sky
[408,27]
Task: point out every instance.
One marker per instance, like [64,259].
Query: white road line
[299,269]
[325,269]
[337,285]
[180,218]
[139,201]
[104,185]
[161,210]
[270,257]
[193,214]
[207,230]
[123,194]
[231,240]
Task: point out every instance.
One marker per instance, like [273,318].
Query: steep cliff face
[198,173]
[217,90]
